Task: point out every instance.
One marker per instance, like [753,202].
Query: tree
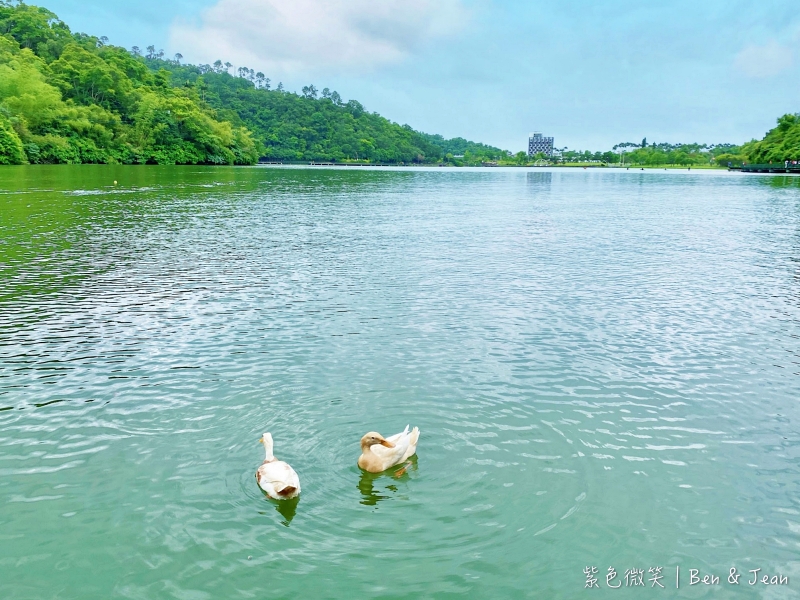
[259,79]
[355,107]
[83,76]
[34,27]
[779,144]
[11,150]
[681,158]
[178,57]
[201,86]
[73,98]
[110,105]
[644,142]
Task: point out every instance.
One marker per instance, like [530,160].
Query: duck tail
[414,436]
[286,491]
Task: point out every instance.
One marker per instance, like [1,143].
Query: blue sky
[592,74]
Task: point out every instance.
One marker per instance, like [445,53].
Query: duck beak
[261,440]
[387,443]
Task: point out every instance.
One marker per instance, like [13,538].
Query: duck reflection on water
[370,496]
[286,508]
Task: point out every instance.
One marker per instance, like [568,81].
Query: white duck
[379,453]
[274,476]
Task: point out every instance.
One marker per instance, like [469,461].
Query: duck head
[374,438]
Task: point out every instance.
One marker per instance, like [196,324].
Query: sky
[590,73]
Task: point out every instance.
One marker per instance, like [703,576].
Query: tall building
[537,143]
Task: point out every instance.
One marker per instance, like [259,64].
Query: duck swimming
[379,453]
[278,480]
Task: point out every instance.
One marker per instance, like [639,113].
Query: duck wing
[396,437]
[392,456]
[278,479]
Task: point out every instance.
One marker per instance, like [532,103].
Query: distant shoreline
[510,165]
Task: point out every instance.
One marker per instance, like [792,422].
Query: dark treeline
[656,154]
[780,144]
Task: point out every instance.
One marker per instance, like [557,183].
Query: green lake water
[604,366]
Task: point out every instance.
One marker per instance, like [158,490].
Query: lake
[604,366]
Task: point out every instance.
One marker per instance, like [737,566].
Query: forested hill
[314,125]
[72,98]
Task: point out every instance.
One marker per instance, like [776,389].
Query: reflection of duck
[278,480]
[367,488]
[366,485]
[379,453]
[287,509]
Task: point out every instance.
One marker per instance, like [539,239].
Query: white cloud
[297,36]
[764,61]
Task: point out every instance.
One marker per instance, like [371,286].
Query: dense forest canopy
[780,144]
[312,126]
[72,98]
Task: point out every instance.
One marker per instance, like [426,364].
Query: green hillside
[72,98]
[314,125]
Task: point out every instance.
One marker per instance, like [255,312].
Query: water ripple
[603,366]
